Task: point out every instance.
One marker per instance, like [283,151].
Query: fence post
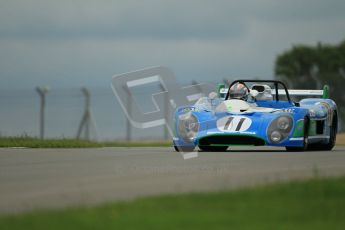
[42,91]
[87,119]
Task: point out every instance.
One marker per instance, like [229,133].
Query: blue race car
[256,113]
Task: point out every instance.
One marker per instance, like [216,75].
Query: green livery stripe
[220,86]
[325,92]
[299,130]
[312,128]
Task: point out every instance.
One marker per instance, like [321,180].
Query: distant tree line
[311,67]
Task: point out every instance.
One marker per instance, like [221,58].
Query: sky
[72,43]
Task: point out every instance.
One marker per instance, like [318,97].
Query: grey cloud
[298,10]
[190,19]
[82,42]
[150,19]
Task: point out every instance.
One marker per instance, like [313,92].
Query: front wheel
[207,148]
[305,139]
[332,137]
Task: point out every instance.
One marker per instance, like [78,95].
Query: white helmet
[238,91]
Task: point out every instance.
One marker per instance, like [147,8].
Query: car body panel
[251,127]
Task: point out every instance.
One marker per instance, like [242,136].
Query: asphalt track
[54,178]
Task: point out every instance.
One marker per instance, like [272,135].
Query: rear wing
[222,91]
[300,92]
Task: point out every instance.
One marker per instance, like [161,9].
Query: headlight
[188,126]
[279,129]
[276,136]
[284,122]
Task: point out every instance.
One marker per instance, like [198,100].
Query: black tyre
[305,139]
[333,134]
[332,137]
[207,148]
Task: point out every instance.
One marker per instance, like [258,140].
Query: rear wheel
[207,148]
[305,139]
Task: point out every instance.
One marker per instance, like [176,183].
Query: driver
[239,91]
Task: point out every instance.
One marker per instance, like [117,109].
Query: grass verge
[30,142]
[314,204]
